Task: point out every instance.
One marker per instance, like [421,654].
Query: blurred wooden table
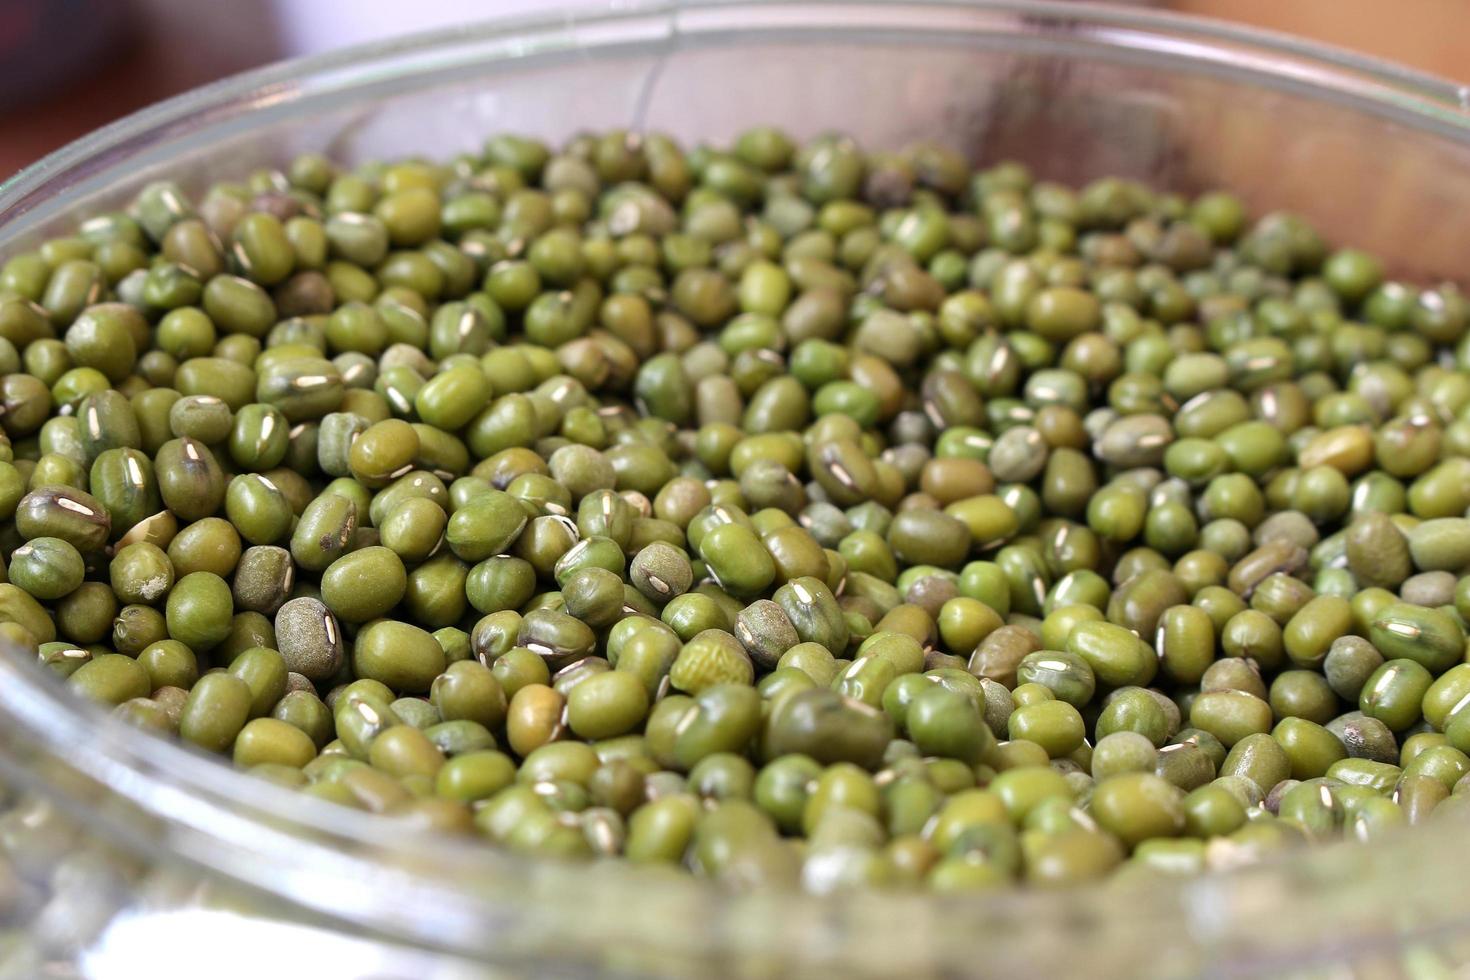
[171,46]
[1426,34]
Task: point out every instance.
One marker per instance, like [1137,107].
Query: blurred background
[69,66]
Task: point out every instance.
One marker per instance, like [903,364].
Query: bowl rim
[198,799]
[1418,90]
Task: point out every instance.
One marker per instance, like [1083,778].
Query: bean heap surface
[791,514]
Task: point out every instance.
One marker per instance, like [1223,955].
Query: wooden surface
[1428,34]
[174,47]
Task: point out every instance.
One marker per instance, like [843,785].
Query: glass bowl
[125,852]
